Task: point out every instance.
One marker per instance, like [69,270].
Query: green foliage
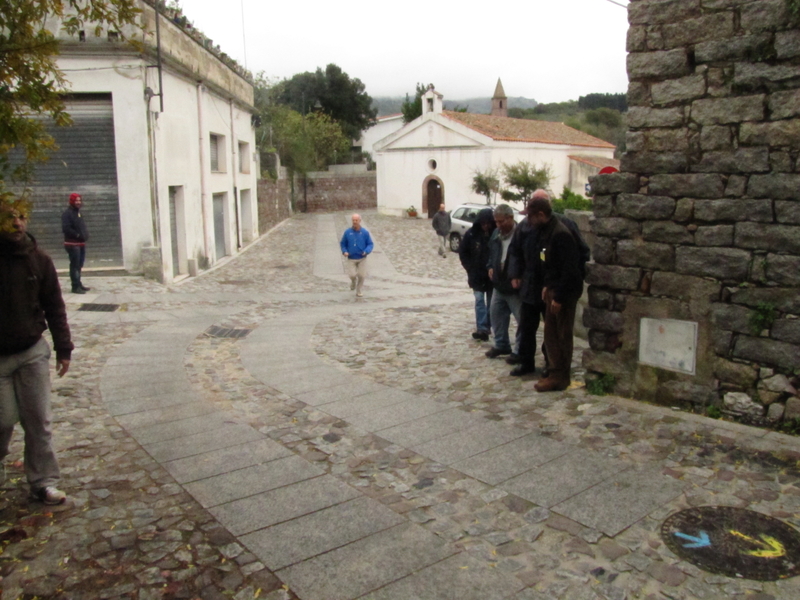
[342,98]
[793,6]
[618,102]
[523,178]
[713,412]
[603,117]
[762,317]
[412,109]
[31,84]
[602,385]
[569,200]
[790,426]
[486,183]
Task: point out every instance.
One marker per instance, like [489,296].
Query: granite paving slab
[156,416]
[299,539]
[351,389]
[176,429]
[367,564]
[231,458]
[383,418]
[431,427]
[282,504]
[133,403]
[469,442]
[200,443]
[367,402]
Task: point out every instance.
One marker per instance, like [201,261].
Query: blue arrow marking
[697,542]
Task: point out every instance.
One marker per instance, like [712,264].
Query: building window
[217,153]
[244,157]
[432,164]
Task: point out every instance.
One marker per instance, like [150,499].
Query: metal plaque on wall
[669,344]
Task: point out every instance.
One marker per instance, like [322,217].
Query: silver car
[463,216]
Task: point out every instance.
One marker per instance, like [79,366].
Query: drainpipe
[235,169]
[203,185]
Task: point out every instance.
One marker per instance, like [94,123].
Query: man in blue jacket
[356,245]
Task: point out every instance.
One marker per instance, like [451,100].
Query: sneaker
[359,294]
[78,290]
[49,495]
[495,352]
[512,359]
[483,336]
[521,370]
[85,289]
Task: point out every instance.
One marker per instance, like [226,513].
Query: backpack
[584,252]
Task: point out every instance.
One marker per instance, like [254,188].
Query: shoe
[545,373]
[352,284]
[521,370]
[78,290]
[84,288]
[49,495]
[480,335]
[359,294]
[494,352]
[550,384]
[512,359]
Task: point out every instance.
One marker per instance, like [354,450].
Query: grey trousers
[357,271]
[25,395]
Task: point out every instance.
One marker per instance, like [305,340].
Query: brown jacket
[30,300]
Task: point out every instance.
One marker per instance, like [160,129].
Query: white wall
[380,130]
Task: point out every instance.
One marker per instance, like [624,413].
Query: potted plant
[412,211]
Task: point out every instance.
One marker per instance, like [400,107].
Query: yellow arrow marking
[771,548]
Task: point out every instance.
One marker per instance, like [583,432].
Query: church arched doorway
[433,195]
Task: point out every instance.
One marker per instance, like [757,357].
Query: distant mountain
[390,105]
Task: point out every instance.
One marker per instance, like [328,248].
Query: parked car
[462,218]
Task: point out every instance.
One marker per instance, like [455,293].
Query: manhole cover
[226,332]
[734,542]
[99,307]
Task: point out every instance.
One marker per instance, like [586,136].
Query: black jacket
[441,222]
[558,261]
[74,228]
[500,279]
[474,252]
[30,299]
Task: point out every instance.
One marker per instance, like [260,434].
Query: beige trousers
[357,271]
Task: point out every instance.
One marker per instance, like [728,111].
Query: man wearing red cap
[75,238]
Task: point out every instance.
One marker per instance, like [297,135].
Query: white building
[166,187]
[434,158]
[383,126]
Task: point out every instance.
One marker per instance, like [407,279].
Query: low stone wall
[274,203]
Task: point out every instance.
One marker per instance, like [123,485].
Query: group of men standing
[531,270]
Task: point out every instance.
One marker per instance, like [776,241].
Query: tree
[412,109]
[486,183]
[524,178]
[31,84]
[342,98]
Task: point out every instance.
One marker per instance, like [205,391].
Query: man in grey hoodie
[441,223]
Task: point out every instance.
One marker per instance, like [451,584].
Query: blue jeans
[501,309]
[482,301]
[77,256]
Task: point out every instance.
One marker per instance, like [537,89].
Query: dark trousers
[77,255]
[529,317]
[558,338]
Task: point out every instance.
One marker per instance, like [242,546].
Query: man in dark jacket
[474,255]
[30,302]
[75,238]
[505,299]
[441,224]
[559,263]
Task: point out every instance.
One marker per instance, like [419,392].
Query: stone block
[615,227]
[756,76]
[777,383]
[603,206]
[667,232]
[654,162]
[660,140]
[765,15]
[642,117]
[784,105]
[600,298]
[786,330]
[649,255]
[719,111]
[739,374]
[603,320]
[742,160]
[736,186]
[792,410]
[603,362]
[720,263]
[731,317]
[733,48]
[733,210]
[719,82]
[684,391]
[767,352]
[678,90]
[786,300]
[654,12]
[787,43]
[638,94]
[689,185]
[787,212]
[775,134]
[603,250]
[684,210]
[659,64]
[712,26]
[783,269]
[781,162]
[740,403]
[716,137]
[715,235]
[614,183]
[776,411]
[778,186]
[636,40]
[683,287]
[721,342]
[636,141]
[641,206]
[615,277]
[776,238]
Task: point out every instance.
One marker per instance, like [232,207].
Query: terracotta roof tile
[526,130]
[596,161]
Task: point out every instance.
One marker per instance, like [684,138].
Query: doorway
[434,196]
[220,239]
[177,230]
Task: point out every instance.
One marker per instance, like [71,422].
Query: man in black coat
[474,255]
[75,237]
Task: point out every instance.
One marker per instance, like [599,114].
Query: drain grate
[226,332]
[99,307]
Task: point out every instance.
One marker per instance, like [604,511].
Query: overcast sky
[549,50]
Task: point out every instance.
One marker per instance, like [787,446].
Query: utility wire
[618,4]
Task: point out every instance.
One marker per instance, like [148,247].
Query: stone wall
[274,203]
[703,222]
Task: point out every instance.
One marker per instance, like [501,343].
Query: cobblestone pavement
[132,531]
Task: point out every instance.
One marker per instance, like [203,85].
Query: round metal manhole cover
[734,542]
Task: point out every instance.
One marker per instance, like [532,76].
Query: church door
[435,197]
